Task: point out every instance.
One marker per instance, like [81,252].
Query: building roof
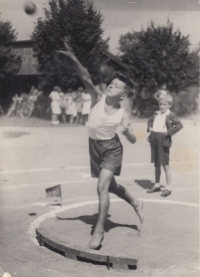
[29,64]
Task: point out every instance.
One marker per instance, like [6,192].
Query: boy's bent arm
[83,74]
[176,125]
[128,131]
[150,123]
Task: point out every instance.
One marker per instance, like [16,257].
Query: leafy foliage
[9,61]
[186,102]
[81,23]
[159,57]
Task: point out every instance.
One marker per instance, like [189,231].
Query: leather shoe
[154,189]
[166,193]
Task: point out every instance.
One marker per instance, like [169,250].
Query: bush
[185,102]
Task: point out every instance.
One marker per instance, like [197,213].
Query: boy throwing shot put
[105,147]
[162,125]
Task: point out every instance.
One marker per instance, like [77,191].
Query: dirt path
[34,158]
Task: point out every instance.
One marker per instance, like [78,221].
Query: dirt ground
[35,156]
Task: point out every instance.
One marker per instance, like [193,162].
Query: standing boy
[162,125]
[104,145]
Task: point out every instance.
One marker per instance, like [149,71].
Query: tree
[9,61]
[81,23]
[160,56]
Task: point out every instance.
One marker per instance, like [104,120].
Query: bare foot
[139,210]
[96,240]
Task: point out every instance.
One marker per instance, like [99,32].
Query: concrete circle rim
[36,223]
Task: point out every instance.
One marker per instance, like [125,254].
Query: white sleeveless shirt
[100,125]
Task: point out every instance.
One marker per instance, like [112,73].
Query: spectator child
[70,106]
[55,105]
[62,106]
[79,104]
[162,125]
[86,98]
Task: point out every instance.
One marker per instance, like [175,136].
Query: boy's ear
[124,96]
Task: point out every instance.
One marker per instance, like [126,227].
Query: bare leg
[78,118]
[71,119]
[53,118]
[63,117]
[86,119]
[56,119]
[123,193]
[157,175]
[104,181]
[168,177]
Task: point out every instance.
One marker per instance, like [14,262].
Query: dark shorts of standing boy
[105,154]
[159,152]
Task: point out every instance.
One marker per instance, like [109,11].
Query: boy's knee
[103,187]
[166,167]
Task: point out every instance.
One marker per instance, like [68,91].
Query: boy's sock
[166,187]
[162,187]
[157,185]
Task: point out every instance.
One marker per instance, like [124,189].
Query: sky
[120,17]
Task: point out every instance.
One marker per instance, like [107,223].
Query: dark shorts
[159,153]
[105,154]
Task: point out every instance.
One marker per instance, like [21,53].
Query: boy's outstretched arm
[128,131]
[83,74]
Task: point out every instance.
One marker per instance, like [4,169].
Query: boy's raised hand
[67,44]
[68,50]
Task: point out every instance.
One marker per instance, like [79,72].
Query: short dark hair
[168,99]
[128,81]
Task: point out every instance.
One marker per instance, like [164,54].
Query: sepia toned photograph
[99,138]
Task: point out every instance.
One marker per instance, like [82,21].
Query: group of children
[72,107]
[106,150]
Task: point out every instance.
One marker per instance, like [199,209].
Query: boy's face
[116,89]
[164,106]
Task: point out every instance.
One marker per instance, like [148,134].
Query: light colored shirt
[70,106]
[86,103]
[54,95]
[102,126]
[159,124]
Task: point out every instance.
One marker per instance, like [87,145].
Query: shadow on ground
[145,184]
[11,134]
[92,219]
